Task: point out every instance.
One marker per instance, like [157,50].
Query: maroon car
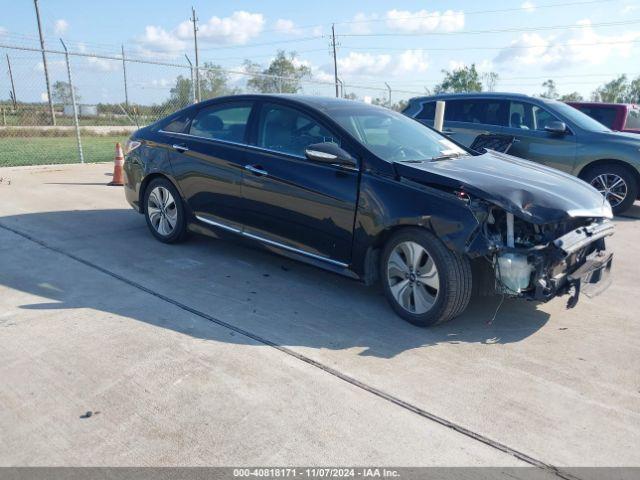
[621,117]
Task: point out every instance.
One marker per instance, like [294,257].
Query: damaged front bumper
[577,262]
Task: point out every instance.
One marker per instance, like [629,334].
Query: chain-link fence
[94,101]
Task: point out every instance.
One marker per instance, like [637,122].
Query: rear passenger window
[488,112]
[178,125]
[428,111]
[289,131]
[222,122]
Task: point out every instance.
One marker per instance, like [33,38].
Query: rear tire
[164,211]
[425,283]
[616,183]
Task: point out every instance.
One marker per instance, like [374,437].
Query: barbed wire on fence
[100,99]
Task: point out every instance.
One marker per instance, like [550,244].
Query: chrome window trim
[271,242]
[246,145]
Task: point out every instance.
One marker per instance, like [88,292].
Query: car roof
[492,95]
[602,104]
[316,102]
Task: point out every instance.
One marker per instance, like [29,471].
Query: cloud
[528,6]
[60,26]
[158,40]
[575,47]
[360,24]
[237,29]
[287,27]
[367,64]
[484,66]
[423,21]
[103,65]
[3,31]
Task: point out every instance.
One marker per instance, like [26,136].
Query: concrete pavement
[93,317]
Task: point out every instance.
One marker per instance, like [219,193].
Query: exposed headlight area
[539,262]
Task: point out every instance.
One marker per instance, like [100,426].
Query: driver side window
[289,131]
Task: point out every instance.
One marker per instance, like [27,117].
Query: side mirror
[556,127]
[329,152]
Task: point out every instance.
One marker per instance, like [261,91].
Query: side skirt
[213,229]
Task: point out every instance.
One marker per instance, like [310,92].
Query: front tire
[164,211]
[616,183]
[425,283]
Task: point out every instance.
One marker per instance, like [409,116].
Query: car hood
[530,191]
[626,137]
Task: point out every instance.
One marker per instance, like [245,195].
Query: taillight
[130,146]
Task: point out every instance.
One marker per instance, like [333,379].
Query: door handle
[256,170]
[181,147]
[448,132]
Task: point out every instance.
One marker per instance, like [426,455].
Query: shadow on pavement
[284,301]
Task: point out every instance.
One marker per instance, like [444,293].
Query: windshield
[394,137]
[580,119]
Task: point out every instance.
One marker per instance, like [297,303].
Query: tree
[61,93]
[633,92]
[571,97]
[284,67]
[490,80]
[181,94]
[214,82]
[464,79]
[550,90]
[615,91]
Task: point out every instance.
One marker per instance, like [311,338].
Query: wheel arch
[145,183]
[610,161]
[372,256]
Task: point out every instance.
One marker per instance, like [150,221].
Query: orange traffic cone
[118,163]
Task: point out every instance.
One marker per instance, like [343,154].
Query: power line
[503,30]
[479,12]
[513,47]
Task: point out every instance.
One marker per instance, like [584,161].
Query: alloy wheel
[413,277]
[162,211]
[612,187]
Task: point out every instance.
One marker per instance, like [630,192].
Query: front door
[291,200]
[532,142]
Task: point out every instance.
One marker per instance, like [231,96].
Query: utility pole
[124,73]
[13,85]
[335,61]
[388,88]
[194,19]
[44,64]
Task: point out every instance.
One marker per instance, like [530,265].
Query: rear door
[291,200]
[208,161]
[532,142]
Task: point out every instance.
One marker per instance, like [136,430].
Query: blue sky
[404,43]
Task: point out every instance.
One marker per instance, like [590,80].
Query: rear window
[633,119]
[605,115]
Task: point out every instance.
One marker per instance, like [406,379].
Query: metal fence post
[193,84]
[124,73]
[73,102]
